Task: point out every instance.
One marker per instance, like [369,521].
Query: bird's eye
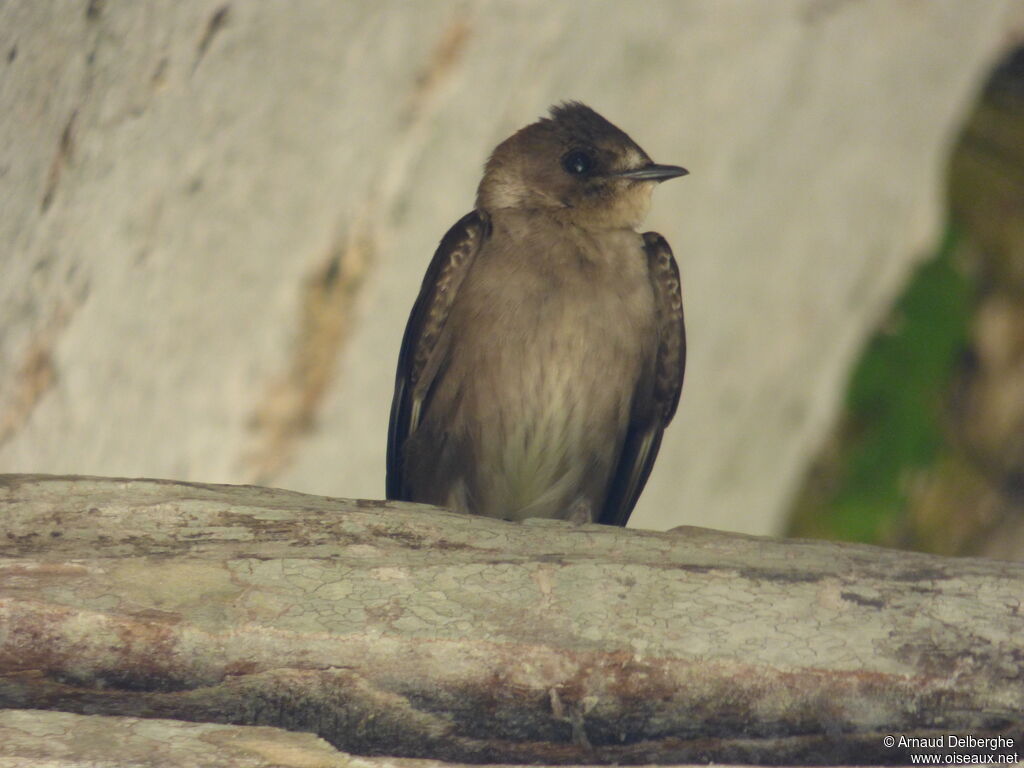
[577,162]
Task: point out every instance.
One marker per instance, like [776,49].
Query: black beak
[652,172]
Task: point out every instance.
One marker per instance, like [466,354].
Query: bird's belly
[557,409]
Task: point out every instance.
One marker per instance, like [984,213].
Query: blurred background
[216,216]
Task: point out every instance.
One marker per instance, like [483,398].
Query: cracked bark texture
[397,629]
[217,214]
[31,738]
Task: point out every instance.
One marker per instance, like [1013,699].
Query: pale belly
[554,386]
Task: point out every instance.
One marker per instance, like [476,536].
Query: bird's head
[576,165]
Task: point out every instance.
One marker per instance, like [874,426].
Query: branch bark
[37,739]
[390,628]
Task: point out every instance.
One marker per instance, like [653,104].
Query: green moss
[895,407]
[900,469]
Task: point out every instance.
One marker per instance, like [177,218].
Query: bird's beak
[652,172]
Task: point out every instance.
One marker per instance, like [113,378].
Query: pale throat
[627,209]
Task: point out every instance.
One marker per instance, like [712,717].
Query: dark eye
[577,162]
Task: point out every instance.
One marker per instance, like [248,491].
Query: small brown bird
[544,356]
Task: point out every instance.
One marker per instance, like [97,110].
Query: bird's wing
[417,360]
[643,439]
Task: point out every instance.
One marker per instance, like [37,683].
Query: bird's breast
[558,341]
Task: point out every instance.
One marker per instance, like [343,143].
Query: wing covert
[452,260]
[643,439]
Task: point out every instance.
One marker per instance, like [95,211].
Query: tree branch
[391,628]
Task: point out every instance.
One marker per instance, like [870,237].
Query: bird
[544,355]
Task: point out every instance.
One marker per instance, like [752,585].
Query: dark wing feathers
[668,292]
[447,269]
[640,448]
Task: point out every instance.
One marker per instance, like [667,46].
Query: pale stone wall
[216,215]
